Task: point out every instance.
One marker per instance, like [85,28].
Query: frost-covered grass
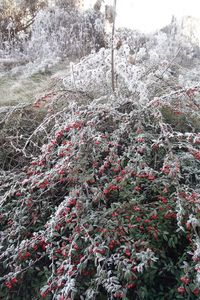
[14,90]
[17,85]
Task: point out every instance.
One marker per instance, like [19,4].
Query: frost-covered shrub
[18,124]
[16,18]
[145,66]
[57,32]
[109,210]
[93,75]
[54,33]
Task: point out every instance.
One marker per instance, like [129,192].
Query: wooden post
[112,47]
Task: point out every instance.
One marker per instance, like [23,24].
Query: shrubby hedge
[109,209]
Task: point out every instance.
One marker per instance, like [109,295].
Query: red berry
[154,217]
[8,285]
[196,291]
[131,285]
[185,280]
[75,247]
[127,252]
[137,188]
[181,290]
[14,280]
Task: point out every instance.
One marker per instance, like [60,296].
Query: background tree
[17,16]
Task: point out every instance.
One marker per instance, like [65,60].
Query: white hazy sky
[149,15]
